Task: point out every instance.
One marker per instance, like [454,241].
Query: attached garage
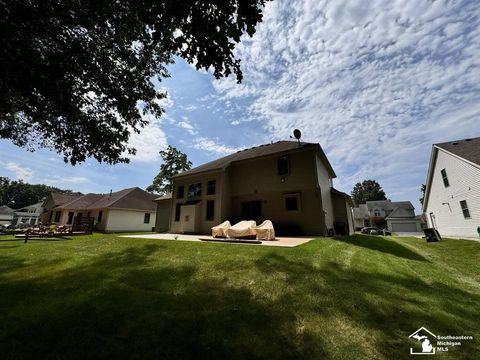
[404,227]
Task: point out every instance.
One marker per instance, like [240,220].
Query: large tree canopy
[75,74]
[17,194]
[174,162]
[367,190]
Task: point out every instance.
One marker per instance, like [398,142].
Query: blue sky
[375,83]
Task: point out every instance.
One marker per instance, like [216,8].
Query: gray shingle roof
[131,198]
[61,198]
[256,152]
[468,149]
[6,210]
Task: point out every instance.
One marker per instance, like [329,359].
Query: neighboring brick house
[130,209]
[287,182]
[452,196]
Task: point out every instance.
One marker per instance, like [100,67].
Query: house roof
[468,149]
[164,197]
[4,209]
[395,214]
[131,198]
[388,205]
[345,195]
[256,152]
[61,198]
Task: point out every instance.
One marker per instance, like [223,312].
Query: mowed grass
[103,296]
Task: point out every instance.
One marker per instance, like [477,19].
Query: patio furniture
[265,231]
[220,230]
[243,229]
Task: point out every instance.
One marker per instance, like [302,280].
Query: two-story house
[397,216]
[452,196]
[287,182]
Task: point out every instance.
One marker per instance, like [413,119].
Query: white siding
[444,203]
[325,188]
[129,220]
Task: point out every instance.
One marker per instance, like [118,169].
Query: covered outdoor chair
[244,228]
[265,231]
[219,230]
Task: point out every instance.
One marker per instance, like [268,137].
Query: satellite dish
[297,134]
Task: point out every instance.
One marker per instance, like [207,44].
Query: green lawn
[361,297]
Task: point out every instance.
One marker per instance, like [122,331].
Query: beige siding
[162,221]
[128,220]
[204,225]
[444,203]
[325,190]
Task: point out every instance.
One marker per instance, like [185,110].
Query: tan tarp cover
[265,231]
[219,230]
[243,228]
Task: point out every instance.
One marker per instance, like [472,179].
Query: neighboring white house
[452,195]
[398,215]
[28,215]
[130,209]
[6,215]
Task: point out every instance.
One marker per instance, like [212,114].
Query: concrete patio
[279,242]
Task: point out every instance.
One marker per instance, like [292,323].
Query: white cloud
[67,180]
[185,124]
[19,172]
[376,83]
[213,147]
[149,141]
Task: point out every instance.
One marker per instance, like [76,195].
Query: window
[146,218]
[180,192]
[466,212]
[210,210]
[252,210]
[57,216]
[376,212]
[100,214]
[79,215]
[445,178]
[50,217]
[283,166]
[195,190]
[177,212]
[70,218]
[211,187]
[292,202]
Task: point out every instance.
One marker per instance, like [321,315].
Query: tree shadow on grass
[382,244]
[129,305]
[394,305]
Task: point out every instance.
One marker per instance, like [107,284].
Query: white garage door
[404,227]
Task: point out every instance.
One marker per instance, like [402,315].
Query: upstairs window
[180,192]
[376,212]
[211,187]
[283,167]
[146,218]
[445,177]
[464,206]
[195,190]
